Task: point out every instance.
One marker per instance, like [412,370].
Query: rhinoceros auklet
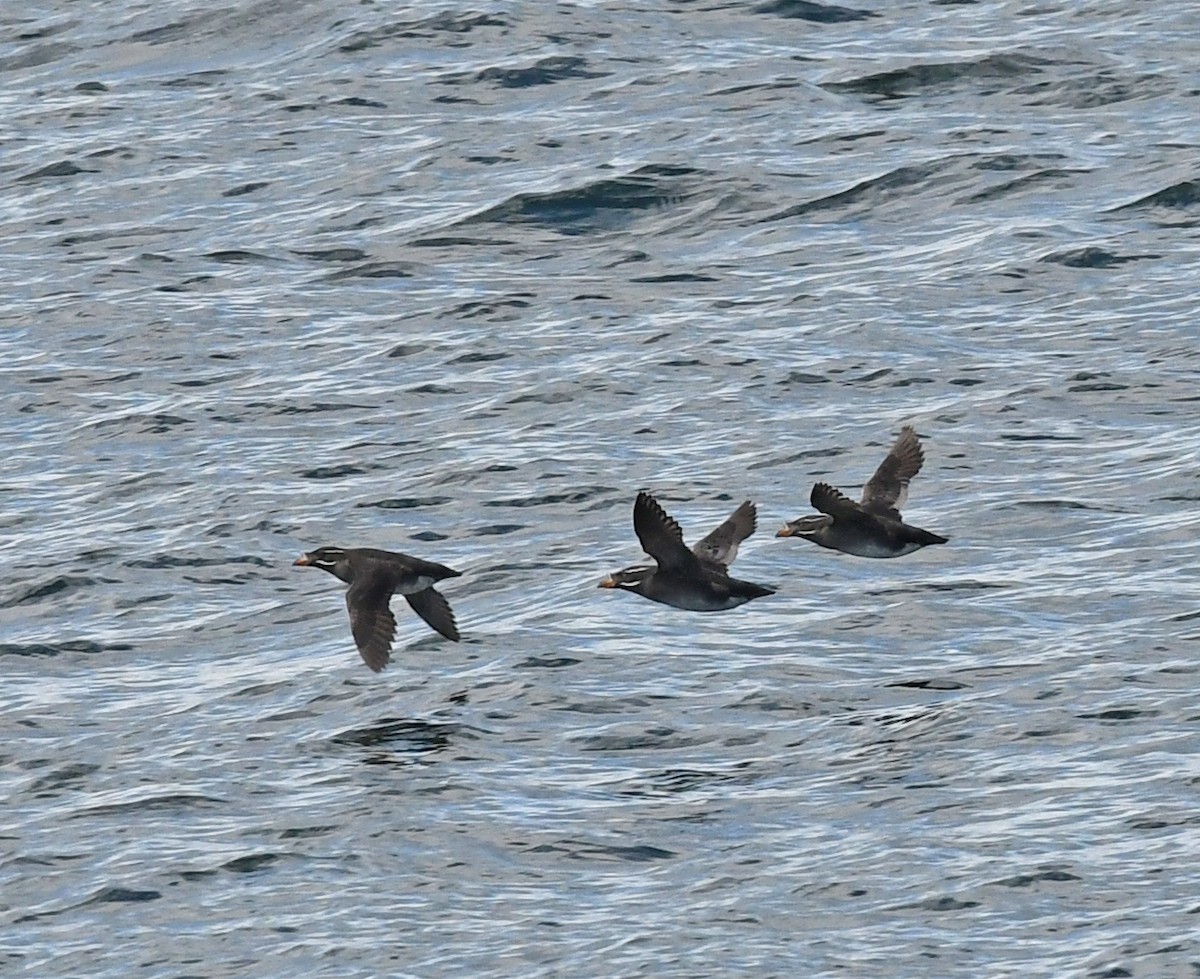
[872,527]
[374,576]
[696,579]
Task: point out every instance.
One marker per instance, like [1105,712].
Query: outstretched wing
[431,605]
[887,491]
[660,535]
[371,623]
[721,546]
[834,503]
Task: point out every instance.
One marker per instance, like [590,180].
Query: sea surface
[459,280]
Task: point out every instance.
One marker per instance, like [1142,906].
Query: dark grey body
[873,526]
[374,576]
[695,580]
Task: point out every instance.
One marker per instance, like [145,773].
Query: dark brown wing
[660,535]
[432,606]
[371,623]
[834,503]
[887,491]
[721,546]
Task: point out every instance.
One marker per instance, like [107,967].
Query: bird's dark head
[804,526]
[629,579]
[331,559]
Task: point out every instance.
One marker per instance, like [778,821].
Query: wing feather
[431,605]
[887,491]
[660,535]
[721,546]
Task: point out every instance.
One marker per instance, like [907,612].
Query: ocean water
[460,281]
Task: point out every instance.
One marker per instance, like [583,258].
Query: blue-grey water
[459,280]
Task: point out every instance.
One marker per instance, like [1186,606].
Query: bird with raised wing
[374,576]
[873,526]
[695,579]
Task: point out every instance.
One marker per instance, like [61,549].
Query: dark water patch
[251,863]
[586,850]
[768,704]
[445,22]
[243,189]
[817,13]
[1039,437]
[37,54]
[1054,177]
[479,358]
[1090,384]
[545,663]
[401,735]
[375,270]
[675,277]
[167,802]
[871,192]
[333,472]
[174,31]
[1091,90]
[68,777]
[488,308]
[939,904]
[156,423]
[435,389]
[1185,194]
[308,832]
[407,349]
[1015,161]
[1118,714]
[122,895]
[907,81]
[601,205]
[312,409]
[260,689]
[1092,257]
[541,398]
[404,502]
[1054,505]
[782,84]
[106,895]
[204,382]
[357,101]
[332,254]
[54,588]
[652,738]
[64,168]
[497,529]
[931,683]
[675,781]
[944,586]
[803,377]
[162,561]
[549,499]
[240,256]
[1153,825]
[545,71]
[489,160]
[58,648]
[429,535]
[458,241]
[201,79]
